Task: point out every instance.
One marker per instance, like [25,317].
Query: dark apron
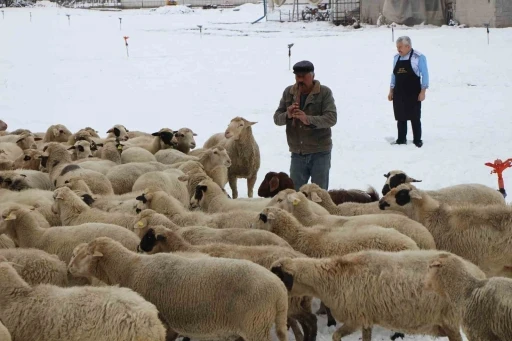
[407,89]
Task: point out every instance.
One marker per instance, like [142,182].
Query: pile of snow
[178,9]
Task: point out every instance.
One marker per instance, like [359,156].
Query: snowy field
[78,74]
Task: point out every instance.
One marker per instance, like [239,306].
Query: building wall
[503,13]
[476,12]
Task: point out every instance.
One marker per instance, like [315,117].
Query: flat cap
[303,67]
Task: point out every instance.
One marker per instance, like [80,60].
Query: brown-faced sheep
[484,303]
[379,288]
[242,149]
[453,195]
[482,234]
[160,239]
[159,279]
[3,126]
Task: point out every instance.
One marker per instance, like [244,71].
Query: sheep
[138,154]
[3,126]
[162,202]
[453,195]
[204,235]
[81,150]
[172,156]
[73,211]
[23,140]
[319,241]
[96,164]
[485,304]
[81,135]
[160,239]
[22,226]
[119,132]
[482,234]
[57,133]
[18,180]
[5,164]
[297,204]
[6,242]
[379,288]
[60,167]
[110,150]
[123,177]
[242,149]
[29,159]
[159,279]
[275,182]
[41,200]
[110,203]
[10,151]
[47,312]
[4,333]
[162,139]
[166,181]
[36,266]
[320,196]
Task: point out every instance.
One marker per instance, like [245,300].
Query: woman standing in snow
[409,83]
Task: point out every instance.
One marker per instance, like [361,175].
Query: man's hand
[390,95]
[301,115]
[291,109]
[421,96]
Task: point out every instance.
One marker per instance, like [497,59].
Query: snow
[78,74]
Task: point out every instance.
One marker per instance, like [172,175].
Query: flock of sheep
[133,237]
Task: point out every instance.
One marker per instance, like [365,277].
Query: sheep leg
[343,331]
[309,324]
[367,334]
[397,335]
[331,321]
[232,183]
[453,334]
[321,310]
[250,185]
[296,330]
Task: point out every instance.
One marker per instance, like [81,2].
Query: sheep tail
[282,318]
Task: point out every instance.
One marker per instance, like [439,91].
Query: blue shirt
[419,66]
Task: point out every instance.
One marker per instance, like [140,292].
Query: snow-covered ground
[77,73]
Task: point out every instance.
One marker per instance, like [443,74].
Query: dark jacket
[321,112]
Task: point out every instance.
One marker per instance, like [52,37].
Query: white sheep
[119,132]
[18,180]
[224,302]
[242,149]
[162,202]
[111,150]
[74,211]
[48,313]
[453,195]
[37,266]
[138,154]
[484,303]
[204,235]
[161,239]
[162,139]
[167,181]
[57,133]
[318,241]
[10,151]
[482,234]
[96,164]
[30,159]
[378,288]
[122,177]
[60,167]
[172,156]
[297,204]
[40,199]
[81,150]
[6,242]
[4,333]
[320,196]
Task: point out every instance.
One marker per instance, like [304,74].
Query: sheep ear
[414,194]
[315,197]
[59,196]
[37,139]
[72,147]
[194,134]
[19,140]
[285,277]
[156,134]
[97,254]
[435,264]
[386,175]
[110,131]
[11,216]
[293,199]
[23,175]
[274,183]
[249,123]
